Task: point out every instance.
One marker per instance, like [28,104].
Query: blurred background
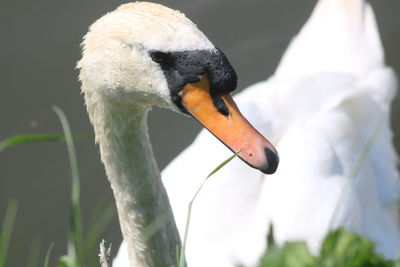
[39,48]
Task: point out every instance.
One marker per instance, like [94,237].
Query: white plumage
[142,55]
[329,97]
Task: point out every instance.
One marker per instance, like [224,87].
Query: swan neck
[126,152]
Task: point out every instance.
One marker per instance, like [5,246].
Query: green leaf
[356,168]
[177,255]
[47,259]
[67,261]
[339,249]
[154,226]
[28,138]
[222,164]
[6,230]
[34,253]
[75,235]
[342,248]
[297,254]
[292,254]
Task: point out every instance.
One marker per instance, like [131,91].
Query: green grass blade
[223,164]
[6,230]
[29,138]
[47,259]
[177,255]
[182,254]
[20,139]
[356,167]
[97,227]
[101,205]
[365,150]
[155,225]
[75,236]
[34,253]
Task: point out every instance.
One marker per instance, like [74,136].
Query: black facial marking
[181,68]
[159,57]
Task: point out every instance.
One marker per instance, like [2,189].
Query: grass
[47,258]
[82,249]
[7,230]
[75,233]
[339,248]
[356,167]
[181,262]
[29,138]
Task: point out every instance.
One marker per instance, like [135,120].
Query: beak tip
[272,161]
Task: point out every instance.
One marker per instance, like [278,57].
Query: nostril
[273,161]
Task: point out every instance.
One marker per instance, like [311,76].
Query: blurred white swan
[329,96]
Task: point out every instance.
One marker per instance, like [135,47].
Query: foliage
[29,138]
[82,249]
[47,258]
[7,230]
[339,249]
[75,233]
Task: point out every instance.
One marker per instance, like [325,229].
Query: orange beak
[232,130]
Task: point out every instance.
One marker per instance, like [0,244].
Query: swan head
[128,52]
[147,54]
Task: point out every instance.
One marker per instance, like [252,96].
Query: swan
[144,54]
[329,96]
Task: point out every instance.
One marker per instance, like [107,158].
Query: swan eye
[159,57]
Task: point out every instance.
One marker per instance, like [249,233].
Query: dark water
[39,48]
